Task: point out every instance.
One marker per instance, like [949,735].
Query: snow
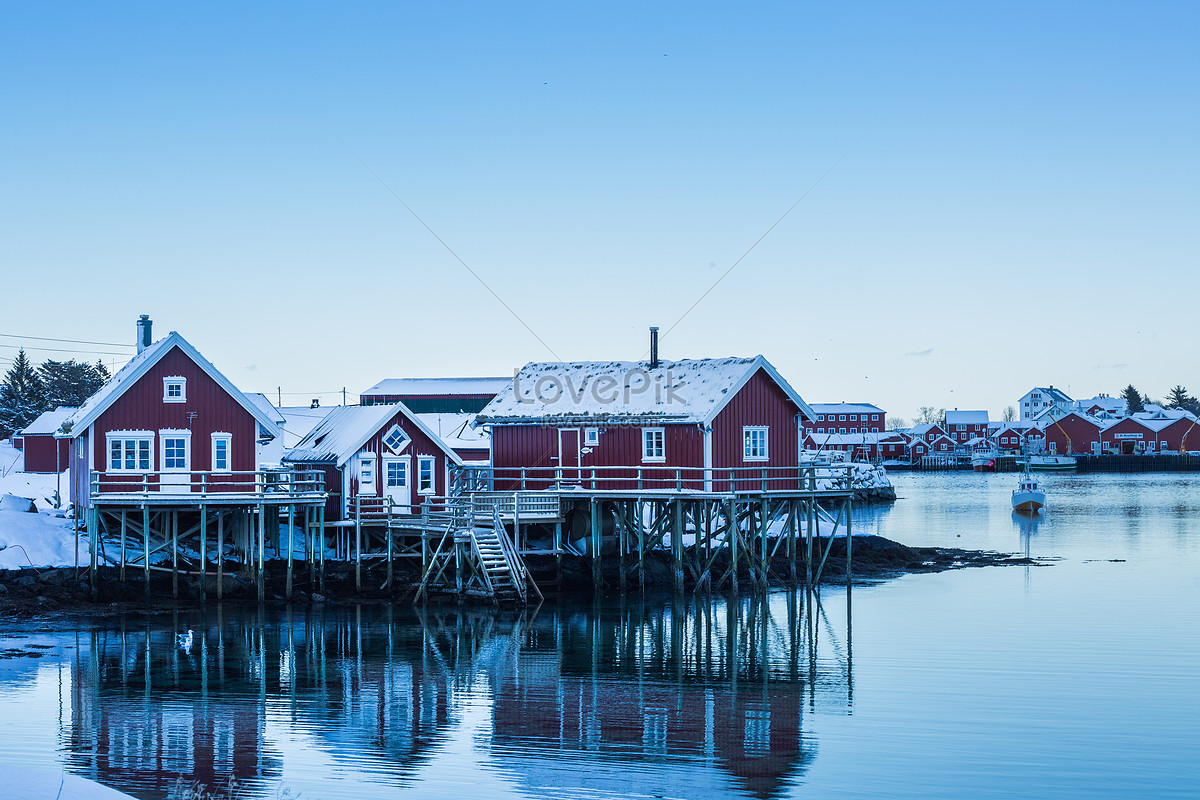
[345,429]
[298,422]
[44,539]
[455,430]
[689,390]
[957,417]
[845,408]
[48,422]
[435,387]
[22,783]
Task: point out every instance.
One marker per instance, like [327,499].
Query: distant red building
[845,418]
[44,452]
[1073,434]
[962,426]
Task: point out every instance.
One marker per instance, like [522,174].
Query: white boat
[1051,463]
[984,460]
[1027,498]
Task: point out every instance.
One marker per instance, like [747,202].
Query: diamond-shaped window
[396,439]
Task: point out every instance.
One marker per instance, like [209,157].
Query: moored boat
[1051,463]
[1027,498]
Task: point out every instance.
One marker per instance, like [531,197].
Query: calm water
[1078,679]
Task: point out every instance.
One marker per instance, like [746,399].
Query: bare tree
[1010,414]
[931,415]
[895,424]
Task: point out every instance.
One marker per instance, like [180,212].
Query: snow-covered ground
[43,539]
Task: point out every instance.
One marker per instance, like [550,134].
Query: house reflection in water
[676,700]
[704,698]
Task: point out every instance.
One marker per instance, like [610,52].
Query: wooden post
[123,513]
[93,541]
[677,547]
[596,576]
[203,552]
[558,548]
[849,540]
[791,534]
[262,553]
[765,511]
[321,541]
[287,592]
[173,516]
[358,543]
[808,542]
[731,539]
[387,532]
[639,519]
[220,556]
[146,547]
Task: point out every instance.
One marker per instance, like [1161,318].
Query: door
[568,453]
[397,483]
[175,458]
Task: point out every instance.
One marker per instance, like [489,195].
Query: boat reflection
[705,697]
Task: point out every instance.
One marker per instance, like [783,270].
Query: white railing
[836,477]
[271,485]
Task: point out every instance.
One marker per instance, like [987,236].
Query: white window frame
[124,437]
[174,380]
[403,446]
[648,451]
[422,463]
[591,437]
[749,432]
[227,438]
[169,434]
[370,460]
[820,417]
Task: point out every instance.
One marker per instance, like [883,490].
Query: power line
[58,350]
[68,341]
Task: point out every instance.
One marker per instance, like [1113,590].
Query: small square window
[591,437]
[820,417]
[175,389]
[853,417]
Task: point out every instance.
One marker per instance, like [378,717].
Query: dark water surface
[1078,679]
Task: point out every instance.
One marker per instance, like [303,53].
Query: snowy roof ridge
[138,366]
[440,386]
[49,421]
[346,429]
[687,390]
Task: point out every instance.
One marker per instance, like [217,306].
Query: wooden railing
[271,485]
[836,477]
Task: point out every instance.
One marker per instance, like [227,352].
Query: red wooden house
[926,432]
[942,446]
[845,418]
[712,424]
[962,426]
[1128,436]
[168,423]
[382,454]
[43,451]
[1075,433]
[1014,437]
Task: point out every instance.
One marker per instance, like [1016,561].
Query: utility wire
[57,350]
[68,341]
[451,252]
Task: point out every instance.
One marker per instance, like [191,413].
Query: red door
[568,453]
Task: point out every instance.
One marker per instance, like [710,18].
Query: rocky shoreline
[29,593]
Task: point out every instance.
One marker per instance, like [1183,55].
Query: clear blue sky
[994,195]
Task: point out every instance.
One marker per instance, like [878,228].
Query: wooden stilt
[677,546]
[220,556]
[791,534]
[94,542]
[597,579]
[146,548]
[731,539]
[203,552]
[262,553]
[321,542]
[173,517]
[287,592]
[849,544]
[358,544]
[123,533]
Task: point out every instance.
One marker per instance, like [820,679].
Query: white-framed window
[842,418]
[222,452]
[175,389]
[396,439]
[397,472]
[820,430]
[591,437]
[854,430]
[754,443]
[854,417]
[130,451]
[366,474]
[841,430]
[653,445]
[425,482]
[820,417]
[175,450]
[874,418]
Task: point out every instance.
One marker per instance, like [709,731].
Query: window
[129,451]
[396,439]
[366,474]
[221,452]
[874,418]
[397,473]
[841,430]
[842,418]
[820,417]
[653,447]
[854,417]
[820,430]
[754,443]
[854,430]
[175,389]
[425,474]
[175,450]
[591,437]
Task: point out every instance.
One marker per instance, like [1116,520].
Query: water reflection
[704,698]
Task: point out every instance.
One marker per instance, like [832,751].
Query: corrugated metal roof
[345,429]
[689,390]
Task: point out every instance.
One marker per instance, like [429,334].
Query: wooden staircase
[485,564]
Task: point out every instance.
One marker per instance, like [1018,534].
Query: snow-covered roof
[957,417]
[869,438]
[49,421]
[1113,405]
[455,430]
[1056,395]
[299,420]
[266,406]
[688,390]
[433,387]
[345,429]
[138,366]
[845,408]
[1014,425]
[922,429]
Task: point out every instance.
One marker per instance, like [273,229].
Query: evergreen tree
[22,397]
[70,383]
[1133,398]
[1179,398]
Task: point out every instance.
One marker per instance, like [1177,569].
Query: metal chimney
[653,347]
[143,332]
